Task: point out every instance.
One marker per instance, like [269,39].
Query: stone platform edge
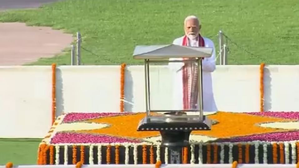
[196,153]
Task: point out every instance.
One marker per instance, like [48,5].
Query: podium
[175,126]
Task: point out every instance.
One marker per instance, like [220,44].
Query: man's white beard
[192,36]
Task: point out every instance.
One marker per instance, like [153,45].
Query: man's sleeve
[209,64]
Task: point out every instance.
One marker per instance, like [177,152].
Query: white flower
[282,125]
[193,138]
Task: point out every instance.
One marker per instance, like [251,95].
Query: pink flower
[285,115]
[67,137]
[74,117]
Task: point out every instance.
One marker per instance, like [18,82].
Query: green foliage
[264,30]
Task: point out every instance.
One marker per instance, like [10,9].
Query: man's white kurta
[208,65]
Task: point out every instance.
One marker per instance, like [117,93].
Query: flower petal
[67,137]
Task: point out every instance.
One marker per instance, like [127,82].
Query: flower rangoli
[122,127]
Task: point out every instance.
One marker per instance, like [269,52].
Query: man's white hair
[191,17]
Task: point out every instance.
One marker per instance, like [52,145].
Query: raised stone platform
[197,154]
[111,138]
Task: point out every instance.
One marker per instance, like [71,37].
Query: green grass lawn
[19,151]
[268,29]
[111,28]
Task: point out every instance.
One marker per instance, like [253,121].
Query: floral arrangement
[112,138]
[121,127]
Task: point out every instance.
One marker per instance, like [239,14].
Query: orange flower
[185,156]
[41,160]
[51,155]
[82,154]
[215,154]
[9,165]
[79,165]
[152,155]
[274,146]
[235,164]
[39,154]
[208,153]
[125,125]
[122,87]
[158,164]
[53,92]
[108,159]
[262,66]
[74,154]
[240,153]
[247,154]
[281,152]
[116,154]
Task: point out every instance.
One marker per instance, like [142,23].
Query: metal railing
[223,48]
[222,53]
[76,54]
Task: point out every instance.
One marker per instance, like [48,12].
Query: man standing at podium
[186,74]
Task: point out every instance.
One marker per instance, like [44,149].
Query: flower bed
[247,137]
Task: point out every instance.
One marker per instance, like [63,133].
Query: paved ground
[18,4]
[21,44]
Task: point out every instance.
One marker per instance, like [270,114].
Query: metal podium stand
[175,126]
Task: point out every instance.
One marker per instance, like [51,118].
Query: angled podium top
[170,51]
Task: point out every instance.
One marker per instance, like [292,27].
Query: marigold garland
[274,153]
[152,155]
[262,66]
[297,144]
[124,126]
[82,154]
[143,154]
[240,153]
[183,153]
[44,154]
[74,154]
[117,154]
[235,164]
[108,157]
[79,165]
[215,154]
[281,152]
[122,86]
[185,156]
[9,165]
[43,149]
[53,92]
[158,164]
[208,154]
[247,153]
[39,154]
[52,155]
